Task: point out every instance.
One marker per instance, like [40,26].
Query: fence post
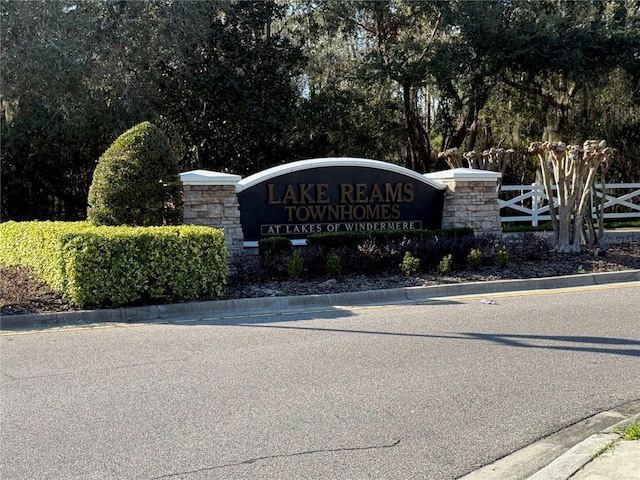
[534,205]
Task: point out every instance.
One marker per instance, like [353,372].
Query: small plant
[631,431]
[502,255]
[604,449]
[409,265]
[474,259]
[294,264]
[334,266]
[445,264]
[270,247]
[581,270]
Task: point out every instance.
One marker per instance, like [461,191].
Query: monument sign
[337,195]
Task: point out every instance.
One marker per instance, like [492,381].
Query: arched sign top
[287,168]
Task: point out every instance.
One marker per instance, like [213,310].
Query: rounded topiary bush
[136,181]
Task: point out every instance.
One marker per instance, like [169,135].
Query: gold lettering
[321,193]
[407,189]
[361,193]
[289,211]
[271,200]
[346,193]
[393,192]
[290,195]
[376,194]
[305,196]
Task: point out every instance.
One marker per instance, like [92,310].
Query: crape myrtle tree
[573,170]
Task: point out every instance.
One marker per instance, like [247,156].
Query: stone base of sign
[211,199]
[471,200]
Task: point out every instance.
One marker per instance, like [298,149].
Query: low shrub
[378,252]
[294,264]
[474,259]
[410,264]
[273,253]
[445,265]
[501,253]
[355,239]
[114,266]
[334,266]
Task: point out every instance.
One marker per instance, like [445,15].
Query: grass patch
[631,431]
[604,449]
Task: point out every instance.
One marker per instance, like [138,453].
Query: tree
[561,49]
[136,181]
[573,170]
[233,95]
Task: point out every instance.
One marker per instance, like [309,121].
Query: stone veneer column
[210,200]
[471,200]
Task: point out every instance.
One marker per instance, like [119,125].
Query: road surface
[428,391]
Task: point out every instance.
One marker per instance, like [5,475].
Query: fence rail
[529,203]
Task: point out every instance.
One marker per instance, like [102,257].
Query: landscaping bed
[21,291]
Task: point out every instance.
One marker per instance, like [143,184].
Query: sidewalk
[575,453]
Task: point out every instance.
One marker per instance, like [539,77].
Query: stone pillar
[210,200]
[471,200]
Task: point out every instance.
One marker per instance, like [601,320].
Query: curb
[562,454]
[305,302]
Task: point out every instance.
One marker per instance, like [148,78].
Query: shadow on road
[548,342]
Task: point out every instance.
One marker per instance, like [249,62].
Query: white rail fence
[529,203]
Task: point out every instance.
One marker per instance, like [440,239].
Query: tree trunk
[418,155]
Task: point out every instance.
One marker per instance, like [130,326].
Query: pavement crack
[283,455]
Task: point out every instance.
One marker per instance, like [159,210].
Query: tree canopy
[239,86]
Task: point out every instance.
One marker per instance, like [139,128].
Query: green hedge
[114,266]
[355,239]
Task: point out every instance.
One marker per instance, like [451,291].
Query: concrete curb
[305,302]
[576,458]
[560,455]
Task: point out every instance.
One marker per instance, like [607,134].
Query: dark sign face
[338,198]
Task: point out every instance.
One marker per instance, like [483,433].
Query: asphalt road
[429,391]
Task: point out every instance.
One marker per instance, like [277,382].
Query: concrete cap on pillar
[464,175]
[206,177]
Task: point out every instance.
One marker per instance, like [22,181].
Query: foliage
[356,239]
[238,86]
[294,264]
[474,259]
[269,247]
[410,264]
[273,252]
[501,253]
[114,266]
[445,265]
[136,181]
[334,266]
[631,431]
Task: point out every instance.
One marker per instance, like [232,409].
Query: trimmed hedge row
[355,239]
[114,266]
